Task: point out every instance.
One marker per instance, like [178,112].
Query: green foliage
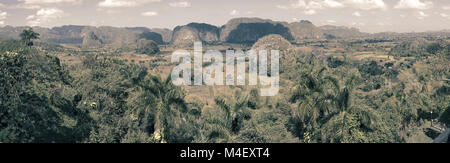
[29,82]
[433,48]
[445,117]
[161,110]
[10,46]
[312,92]
[371,69]
[28,35]
[334,62]
[265,126]
[326,111]
[106,100]
[233,113]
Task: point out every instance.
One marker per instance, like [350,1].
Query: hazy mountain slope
[305,30]
[187,34]
[70,34]
[249,30]
[237,30]
[90,38]
[234,23]
[140,29]
[85,35]
[10,32]
[165,33]
[342,32]
[156,37]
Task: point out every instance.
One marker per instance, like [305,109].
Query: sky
[367,15]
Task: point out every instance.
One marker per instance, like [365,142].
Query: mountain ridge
[236,30]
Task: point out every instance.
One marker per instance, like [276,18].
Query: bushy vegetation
[104,99]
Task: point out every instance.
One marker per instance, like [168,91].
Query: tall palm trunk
[158,120]
[343,127]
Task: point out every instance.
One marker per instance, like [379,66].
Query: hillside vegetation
[333,91]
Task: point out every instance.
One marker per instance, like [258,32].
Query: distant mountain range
[238,30]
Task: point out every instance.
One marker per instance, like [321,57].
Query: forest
[339,91]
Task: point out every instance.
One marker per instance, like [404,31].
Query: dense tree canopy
[28,35]
[108,99]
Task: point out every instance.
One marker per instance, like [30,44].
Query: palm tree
[28,35]
[348,114]
[314,93]
[343,103]
[235,111]
[160,102]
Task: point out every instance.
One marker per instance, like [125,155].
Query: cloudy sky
[367,15]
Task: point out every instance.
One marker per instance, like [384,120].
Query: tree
[226,119]
[28,35]
[314,93]
[104,91]
[348,115]
[326,113]
[342,100]
[162,111]
[445,117]
[29,81]
[235,112]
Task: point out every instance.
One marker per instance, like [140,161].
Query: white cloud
[355,24]
[445,15]
[44,16]
[422,15]
[108,10]
[330,4]
[330,22]
[357,14]
[50,1]
[366,4]
[116,3]
[299,4]
[446,7]
[149,13]
[27,6]
[123,3]
[282,7]
[3,15]
[310,12]
[414,4]
[181,4]
[302,4]
[234,13]
[2,5]
[50,13]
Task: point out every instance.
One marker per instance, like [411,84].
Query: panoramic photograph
[224,72]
